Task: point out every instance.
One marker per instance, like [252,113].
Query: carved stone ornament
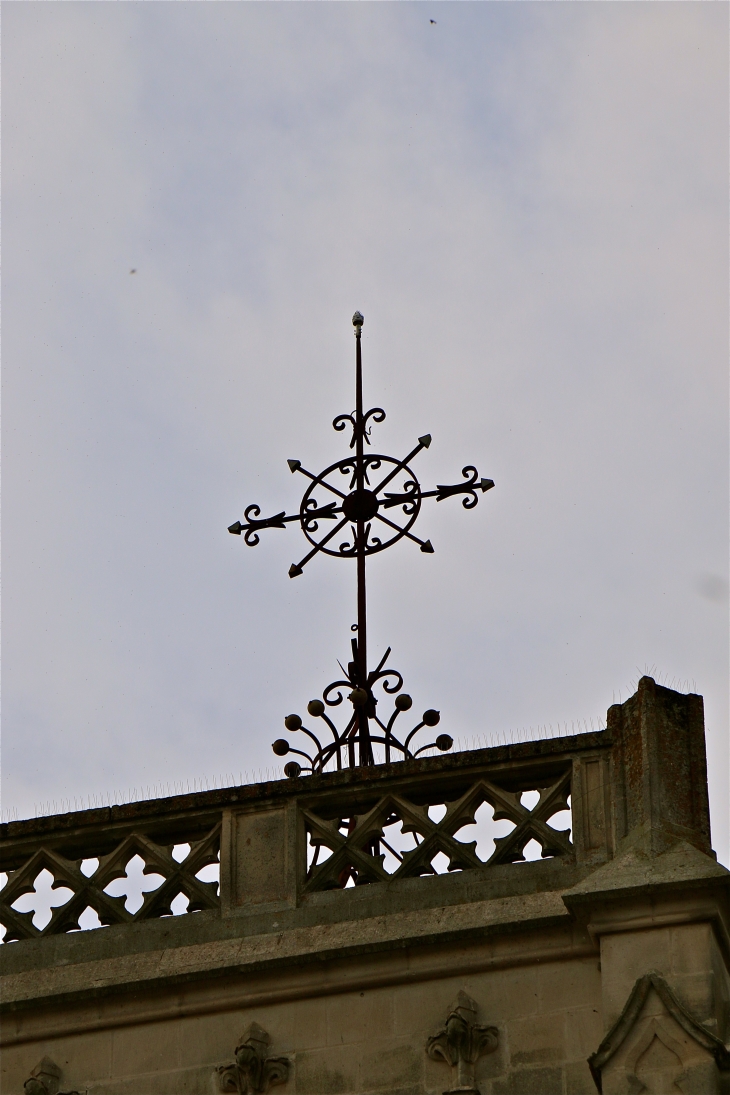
[45,1079]
[659,1046]
[460,1044]
[253,1071]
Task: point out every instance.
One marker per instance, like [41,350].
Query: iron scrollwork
[374,515]
[341,750]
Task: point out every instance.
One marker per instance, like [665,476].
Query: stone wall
[324,964]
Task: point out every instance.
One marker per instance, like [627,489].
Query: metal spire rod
[359,507]
[366,752]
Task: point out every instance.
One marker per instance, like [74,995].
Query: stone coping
[205,803]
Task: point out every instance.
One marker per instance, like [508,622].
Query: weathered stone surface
[530,1081]
[660,768]
[657,1044]
[635,870]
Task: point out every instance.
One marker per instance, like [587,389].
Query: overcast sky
[527,201]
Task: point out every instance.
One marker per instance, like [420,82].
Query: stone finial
[661,769]
[461,1042]
[253,1071]
[44,1079]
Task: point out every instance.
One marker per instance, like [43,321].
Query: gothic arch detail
[668,1053]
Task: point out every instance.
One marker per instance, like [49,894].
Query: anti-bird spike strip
[344,518]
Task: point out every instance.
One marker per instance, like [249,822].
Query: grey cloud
[530,210]
[714,587]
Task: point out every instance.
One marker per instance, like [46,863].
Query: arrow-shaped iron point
[328,512]
[298,568]
[296,465]
[444,490]
[277,521]
[425,545]
[423,443]
[400,499]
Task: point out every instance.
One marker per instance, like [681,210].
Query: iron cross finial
[360,505]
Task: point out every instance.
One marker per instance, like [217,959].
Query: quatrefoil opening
[395,837]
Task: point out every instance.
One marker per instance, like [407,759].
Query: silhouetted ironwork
[357,514]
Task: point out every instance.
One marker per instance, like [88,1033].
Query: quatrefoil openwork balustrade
[91,891]
[356,844]
[356,507]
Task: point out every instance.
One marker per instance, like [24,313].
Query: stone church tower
[358,935]
[601,966]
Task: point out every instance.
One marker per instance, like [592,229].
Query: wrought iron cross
[362,506]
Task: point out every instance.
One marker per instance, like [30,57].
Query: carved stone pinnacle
[461,1042]
[253,1071]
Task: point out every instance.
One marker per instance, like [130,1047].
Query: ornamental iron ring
[372,505]
[360,505]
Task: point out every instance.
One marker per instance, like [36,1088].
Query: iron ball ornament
[356,507]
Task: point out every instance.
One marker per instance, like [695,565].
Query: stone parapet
[332,956]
